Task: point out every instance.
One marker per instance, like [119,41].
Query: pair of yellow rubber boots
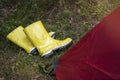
[35,36]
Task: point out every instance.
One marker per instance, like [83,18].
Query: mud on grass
[68,19]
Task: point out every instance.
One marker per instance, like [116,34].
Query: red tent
[97,55]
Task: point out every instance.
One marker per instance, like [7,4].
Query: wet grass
[68,19]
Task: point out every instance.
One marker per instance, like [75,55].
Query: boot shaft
[18,37]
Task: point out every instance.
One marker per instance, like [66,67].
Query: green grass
[68,19]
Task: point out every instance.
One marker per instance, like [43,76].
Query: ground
[67,18]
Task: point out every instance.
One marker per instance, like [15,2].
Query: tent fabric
[97,55]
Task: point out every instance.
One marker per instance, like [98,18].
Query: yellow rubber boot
[42,41]
[18,37]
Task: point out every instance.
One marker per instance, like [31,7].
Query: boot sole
[47,54]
